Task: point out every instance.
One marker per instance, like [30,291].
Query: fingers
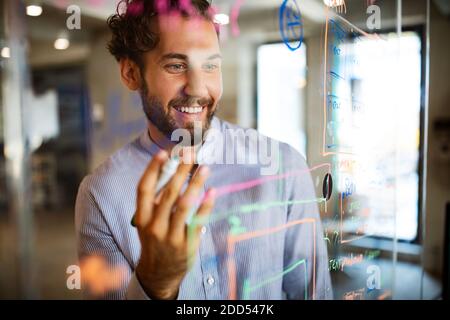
[146,190]
[187,202]
[169,196]
[194,230]
[204,211]
[206,208]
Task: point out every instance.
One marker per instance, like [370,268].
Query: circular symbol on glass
[291,24]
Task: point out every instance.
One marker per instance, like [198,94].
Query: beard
[163,120]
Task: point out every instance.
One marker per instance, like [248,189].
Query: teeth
[191,109]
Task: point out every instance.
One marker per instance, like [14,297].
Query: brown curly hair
[131,26]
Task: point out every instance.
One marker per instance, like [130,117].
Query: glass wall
[343,82]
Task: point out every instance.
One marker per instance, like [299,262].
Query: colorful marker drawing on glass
[247,288]
[291,24]
[235,239]
[234,14]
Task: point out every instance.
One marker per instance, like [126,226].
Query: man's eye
[176,67]
[210,66]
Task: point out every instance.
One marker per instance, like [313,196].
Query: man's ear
[130,74]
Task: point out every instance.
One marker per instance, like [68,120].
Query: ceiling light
[34,10]
[62,44]
[222,18]
[6,53]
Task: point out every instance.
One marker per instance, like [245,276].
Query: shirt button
[203,230]
[210,280]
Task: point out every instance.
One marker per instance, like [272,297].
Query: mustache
[189,101]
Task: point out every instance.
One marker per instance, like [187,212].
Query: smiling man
[169,52]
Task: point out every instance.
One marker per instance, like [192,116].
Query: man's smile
[190,110]
[184,114]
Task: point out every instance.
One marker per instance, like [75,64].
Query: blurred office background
[63,103]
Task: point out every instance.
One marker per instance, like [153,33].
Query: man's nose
[196,84]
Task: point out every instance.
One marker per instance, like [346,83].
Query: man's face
[182,77]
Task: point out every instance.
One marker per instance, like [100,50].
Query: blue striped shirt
[264,239]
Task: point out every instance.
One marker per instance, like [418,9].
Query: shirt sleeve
[305,257]
[105,272]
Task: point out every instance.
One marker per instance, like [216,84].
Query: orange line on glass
[233,239]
